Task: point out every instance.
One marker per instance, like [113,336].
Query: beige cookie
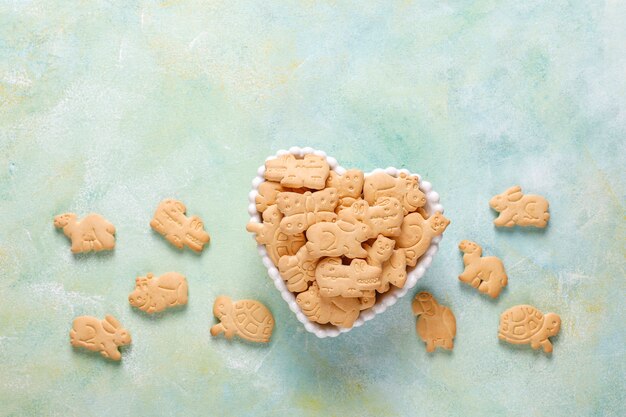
[348,185]
[92,233]
[417,233]
[394,271]
[338,311]
[518,209]
[248,319]
[154,295]
[170,221]
[423,212]
[311,171]
[404,188]
[337,239]
[384,218]
[335,279]
[269,234]
[298,270]
[524,324]
[266,197]
[380,251]
[104,336]
[303,210]
[436,324]
[486,274]
[367,300]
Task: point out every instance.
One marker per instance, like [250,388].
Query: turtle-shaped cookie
[525,324]
[284,245]
[248,319]
[268,233]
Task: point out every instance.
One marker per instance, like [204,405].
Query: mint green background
[110,106]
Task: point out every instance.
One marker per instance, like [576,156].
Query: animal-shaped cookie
[170,221]
[486,274]
[303,210]
[394,271]
[367,300]
[518,209]
[392,262]
[338,311]
[92,233]
[524,324]
[277,243]
[348,185]
[384,218]
[104,336]
[436,324]
[248,319]
[298,270]
[380,251]
[335,279]
[266,197]
[154,295]
[417,233]
[337,239]
[404,188]
[311,171]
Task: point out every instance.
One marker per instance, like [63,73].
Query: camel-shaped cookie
[436,324]
[276,242]
[338,311]
[104,336]
[337,239]
[486,274]
[384,217]
[335,279]
[417,233]
[311,171]
[302,210]
[404,188]
[154,295]
[298,270]
[170,221]
[518,209]
[92,233]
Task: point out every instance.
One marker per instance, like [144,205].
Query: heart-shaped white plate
[384,300]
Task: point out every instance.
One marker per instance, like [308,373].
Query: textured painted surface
[109,106]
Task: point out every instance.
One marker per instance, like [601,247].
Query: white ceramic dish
[383,301]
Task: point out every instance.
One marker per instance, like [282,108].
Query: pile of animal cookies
[248,319]
[340,241]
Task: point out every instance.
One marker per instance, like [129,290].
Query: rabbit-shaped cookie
[518,209]
[102,336]
[337,239]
